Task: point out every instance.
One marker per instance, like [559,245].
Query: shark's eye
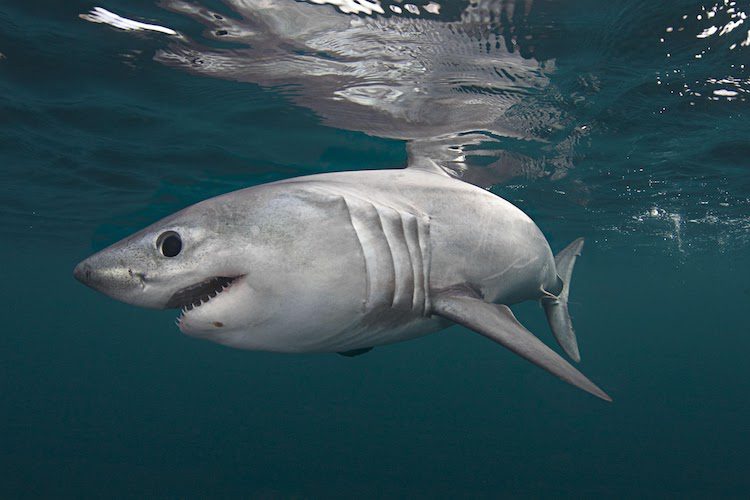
[169,244]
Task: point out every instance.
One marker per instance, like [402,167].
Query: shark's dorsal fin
[418,160]
[497,322]
[427,165]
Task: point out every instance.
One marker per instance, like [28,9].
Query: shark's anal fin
[355,352]
[496,322]
[556,308]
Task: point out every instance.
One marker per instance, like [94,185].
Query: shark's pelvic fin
[556,308]
[496,322]
[356,352]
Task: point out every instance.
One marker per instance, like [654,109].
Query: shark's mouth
[196,295]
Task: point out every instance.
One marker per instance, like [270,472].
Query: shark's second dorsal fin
[497,322]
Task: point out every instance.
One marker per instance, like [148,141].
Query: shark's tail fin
[556,308]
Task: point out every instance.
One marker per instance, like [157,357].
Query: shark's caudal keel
[346,261]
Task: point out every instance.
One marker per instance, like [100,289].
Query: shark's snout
[93,276]
[109,277]
[82,272]
[104,273]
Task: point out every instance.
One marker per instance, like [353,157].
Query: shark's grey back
[474,236]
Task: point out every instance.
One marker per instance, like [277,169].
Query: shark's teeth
[219,286]
[199,293]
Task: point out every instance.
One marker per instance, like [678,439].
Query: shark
[344,262]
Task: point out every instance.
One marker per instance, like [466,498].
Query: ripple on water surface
[624,123]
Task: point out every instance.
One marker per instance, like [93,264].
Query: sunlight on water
[719,28]
[100,15]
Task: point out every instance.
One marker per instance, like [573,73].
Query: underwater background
[625,123]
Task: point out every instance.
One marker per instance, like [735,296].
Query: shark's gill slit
[195,295]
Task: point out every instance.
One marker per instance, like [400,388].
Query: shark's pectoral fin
[355,352]
[497,323]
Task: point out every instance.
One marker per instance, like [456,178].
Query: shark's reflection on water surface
[466,84]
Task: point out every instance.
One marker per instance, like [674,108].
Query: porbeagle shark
[342,262]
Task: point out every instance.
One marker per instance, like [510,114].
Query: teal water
[624,137]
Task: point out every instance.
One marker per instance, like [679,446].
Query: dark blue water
[610,128]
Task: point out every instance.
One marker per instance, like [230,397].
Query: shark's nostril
[82,272]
